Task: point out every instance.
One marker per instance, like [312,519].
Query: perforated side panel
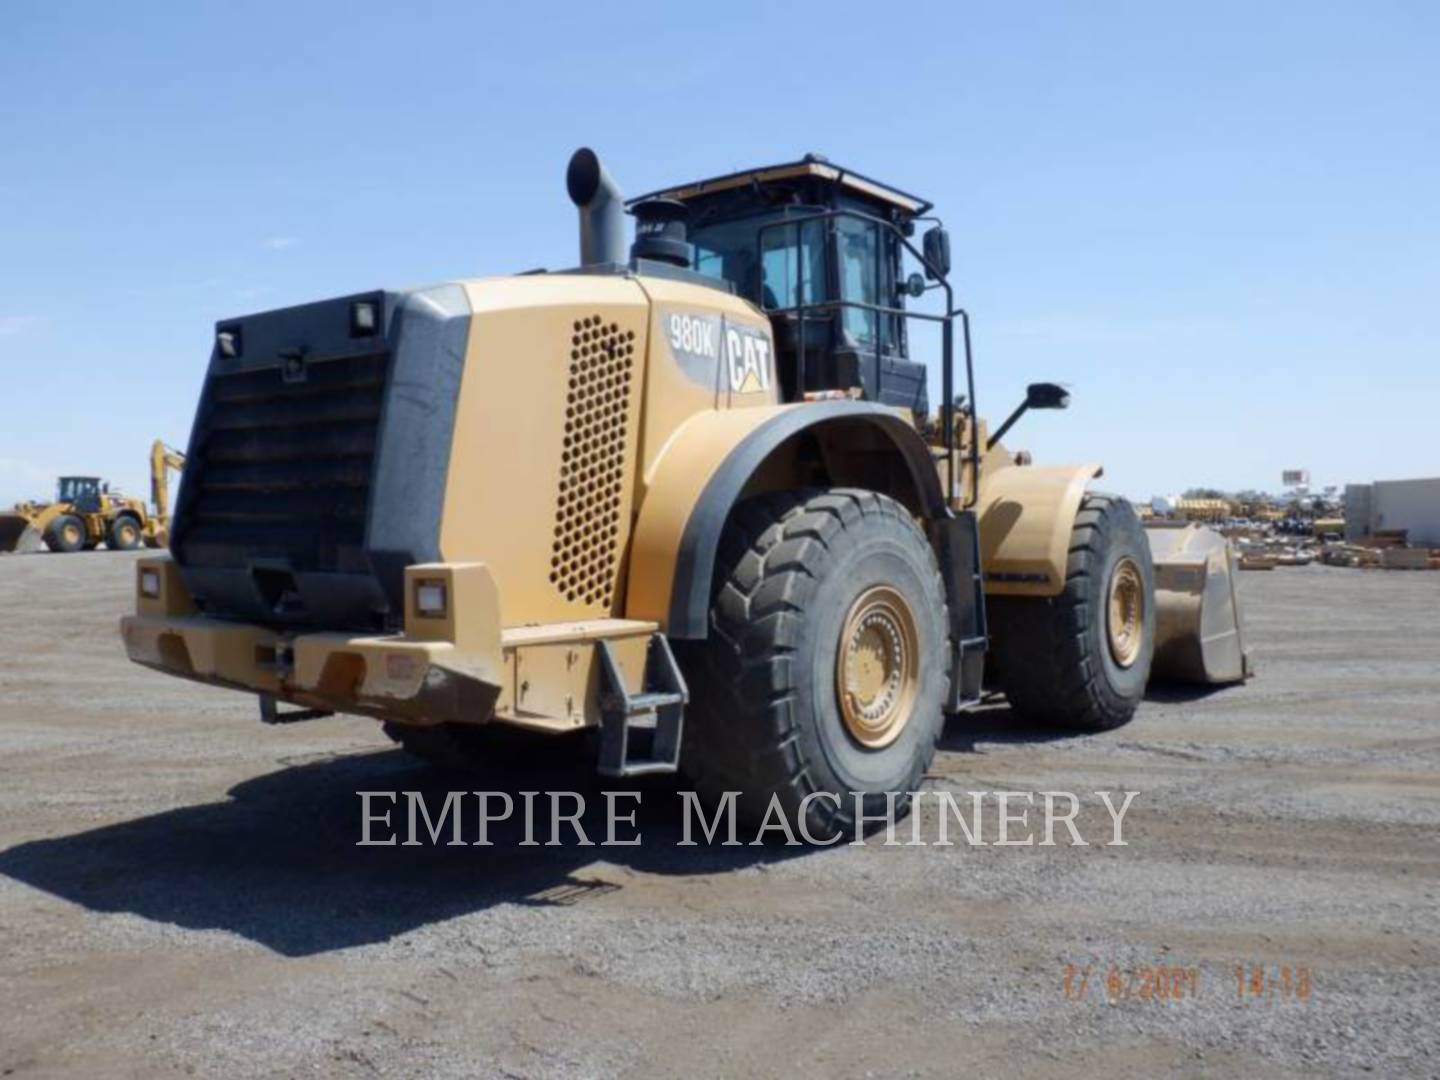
[592,471]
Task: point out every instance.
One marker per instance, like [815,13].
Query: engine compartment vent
[585,552]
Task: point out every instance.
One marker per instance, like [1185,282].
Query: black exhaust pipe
[602,209]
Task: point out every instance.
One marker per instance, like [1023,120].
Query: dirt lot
[180,892]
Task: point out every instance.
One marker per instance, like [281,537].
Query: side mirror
[1044,395]
[1040,395]
[914,285]
[936,245]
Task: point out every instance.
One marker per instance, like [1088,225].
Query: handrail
[947,321]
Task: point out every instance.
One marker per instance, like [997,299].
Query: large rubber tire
[1052,656]
[765,717]
[66,534]
[125,534]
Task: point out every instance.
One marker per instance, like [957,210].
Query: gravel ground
[180,890]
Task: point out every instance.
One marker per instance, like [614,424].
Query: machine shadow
[1165,692]
[277,862]
[994,722]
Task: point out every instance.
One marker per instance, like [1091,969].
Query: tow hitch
[270,712]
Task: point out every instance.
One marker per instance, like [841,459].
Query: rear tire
[124,534]
[66,534]
[1071,660]
[826,665]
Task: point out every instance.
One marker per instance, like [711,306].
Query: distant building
[1412,505]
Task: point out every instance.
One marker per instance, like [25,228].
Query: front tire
[1081,660]
[66,534]
[825,667]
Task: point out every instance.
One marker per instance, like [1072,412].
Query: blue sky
[1217,222]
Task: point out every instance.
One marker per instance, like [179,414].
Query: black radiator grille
[284,468]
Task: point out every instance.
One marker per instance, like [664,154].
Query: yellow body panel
[543,462]
[692,455]
[552,678]
[1027,513]
[608,369]
[680,383]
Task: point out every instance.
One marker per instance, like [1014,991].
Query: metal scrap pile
[1261,550]
[1385,550]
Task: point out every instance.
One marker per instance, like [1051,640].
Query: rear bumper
[391,678]
[446,667]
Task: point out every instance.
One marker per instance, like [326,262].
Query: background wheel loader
[693,500]
[86,513]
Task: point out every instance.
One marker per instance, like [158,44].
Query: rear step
[659,709]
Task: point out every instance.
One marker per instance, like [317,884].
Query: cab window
[728,250]
[792,263]
[859,254]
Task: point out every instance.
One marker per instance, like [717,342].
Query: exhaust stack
[601,206]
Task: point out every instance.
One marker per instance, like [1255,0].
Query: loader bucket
[17,534]
[1198,636]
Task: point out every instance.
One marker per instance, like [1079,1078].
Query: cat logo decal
[748,360]
[701,344]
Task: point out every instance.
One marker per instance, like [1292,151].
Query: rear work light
[150,583]
[227,340]
[364,319]
[430,599]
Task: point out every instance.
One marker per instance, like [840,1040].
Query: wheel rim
[877,667]
[127,535]
[71,534]
[1125,612]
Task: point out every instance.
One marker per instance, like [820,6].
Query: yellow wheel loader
[692,499]
[86,514]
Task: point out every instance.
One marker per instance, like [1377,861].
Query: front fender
[1026,515]
[704,471]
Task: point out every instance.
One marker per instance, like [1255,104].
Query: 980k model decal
[711,349]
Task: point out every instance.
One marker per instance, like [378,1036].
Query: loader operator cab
[83,492]
[822,251]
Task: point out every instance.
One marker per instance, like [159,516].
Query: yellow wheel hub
[1125,612]
[877,667]
[72,534]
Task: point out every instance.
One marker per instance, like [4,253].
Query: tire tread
[1042,649]
[742,734]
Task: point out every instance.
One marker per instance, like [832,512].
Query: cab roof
[811,165]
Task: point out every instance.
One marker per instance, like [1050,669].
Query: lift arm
[162,459]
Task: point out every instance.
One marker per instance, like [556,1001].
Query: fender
[1026,515]
[703,472]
